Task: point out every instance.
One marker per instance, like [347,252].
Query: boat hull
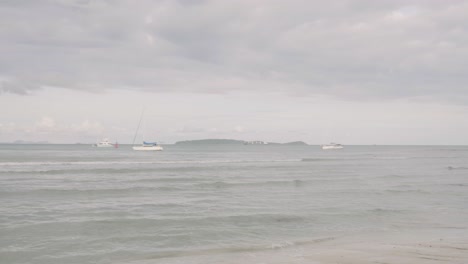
[149,148]
[105,143]
[104,146]
[332,147]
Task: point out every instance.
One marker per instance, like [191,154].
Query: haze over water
[233,204]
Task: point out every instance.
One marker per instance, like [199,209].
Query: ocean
[233,204]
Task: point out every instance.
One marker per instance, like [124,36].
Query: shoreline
[379,247]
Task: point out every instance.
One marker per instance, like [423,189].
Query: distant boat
[332,146]
[149,146]
[255,143]
[152,146]
[105,143]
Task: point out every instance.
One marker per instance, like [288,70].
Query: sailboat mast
[138,127]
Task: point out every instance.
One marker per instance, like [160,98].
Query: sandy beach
[375,249]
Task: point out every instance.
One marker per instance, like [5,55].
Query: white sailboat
[332,146]
[151,146]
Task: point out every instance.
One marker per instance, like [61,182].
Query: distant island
[296,143]
[234,142]
[210,142]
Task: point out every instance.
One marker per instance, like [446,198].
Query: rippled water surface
[202,204]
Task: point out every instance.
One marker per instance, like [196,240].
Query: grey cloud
[347,49]
[17,87]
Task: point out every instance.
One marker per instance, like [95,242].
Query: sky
[353,72]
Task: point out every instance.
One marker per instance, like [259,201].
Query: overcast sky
[353,72]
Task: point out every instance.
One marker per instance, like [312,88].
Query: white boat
[149,146]
[255,143]
[105,143]
[332,146]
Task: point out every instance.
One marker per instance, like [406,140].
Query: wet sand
[414,248]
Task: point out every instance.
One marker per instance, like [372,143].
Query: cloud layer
[359,50]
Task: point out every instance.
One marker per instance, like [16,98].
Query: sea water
[233,204]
